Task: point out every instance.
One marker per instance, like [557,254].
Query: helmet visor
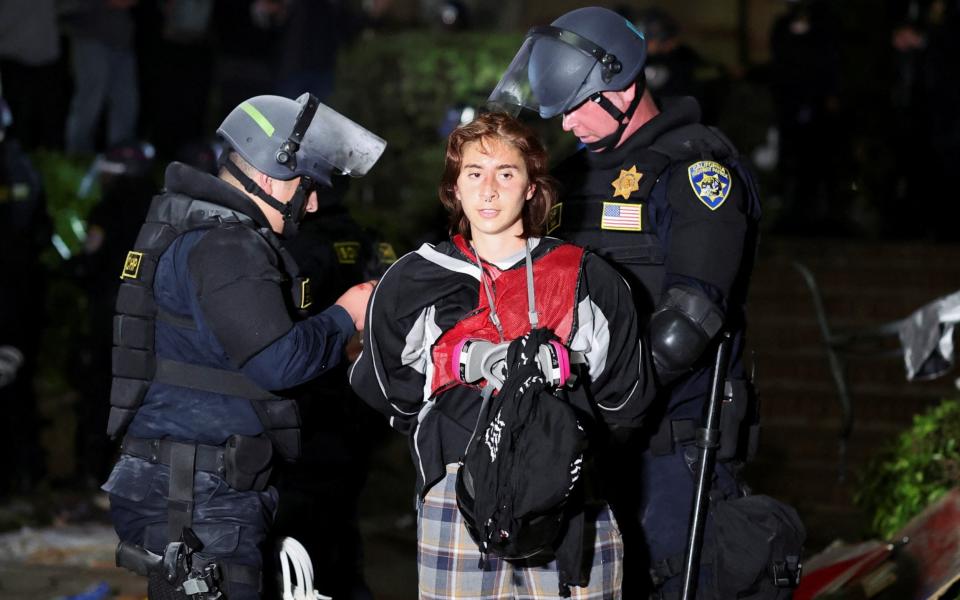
[545,76]
[333,140]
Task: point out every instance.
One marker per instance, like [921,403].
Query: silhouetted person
[310,34]
[32,73]
[673,68]
[24,232]
[104,73]
[805,81]
[176,51]
[926,126]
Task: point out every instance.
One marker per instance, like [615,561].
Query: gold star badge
[627,183]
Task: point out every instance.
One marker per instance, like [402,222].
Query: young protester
[496,280]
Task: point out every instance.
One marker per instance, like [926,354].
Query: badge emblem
[386,253]
[306,298]
[710,182]
[554,217]
[347,252]
[627,183]
[131,266]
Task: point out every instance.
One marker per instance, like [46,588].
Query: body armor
[640,254]
[135,364]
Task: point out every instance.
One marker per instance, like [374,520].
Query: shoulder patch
[347,252]
[554,217]
[711,182]
[386,254]
[304,299]
[131,266]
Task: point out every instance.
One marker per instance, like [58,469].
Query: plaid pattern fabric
[448,560]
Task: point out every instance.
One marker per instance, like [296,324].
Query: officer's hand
[354,301]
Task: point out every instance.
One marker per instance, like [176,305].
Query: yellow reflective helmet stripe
[258,118]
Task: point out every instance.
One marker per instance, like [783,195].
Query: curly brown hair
[505,129]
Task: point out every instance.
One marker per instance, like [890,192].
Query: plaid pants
[448,559]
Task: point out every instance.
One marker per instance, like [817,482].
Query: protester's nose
[488,190]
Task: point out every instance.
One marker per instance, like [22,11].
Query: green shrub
[62,175]
[914,471]
[65,302]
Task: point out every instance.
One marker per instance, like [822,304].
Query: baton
[708,439]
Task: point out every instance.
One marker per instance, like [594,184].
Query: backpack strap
[279,416]
[208,379]
[569,555]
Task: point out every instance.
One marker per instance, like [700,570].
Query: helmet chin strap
[622,117]
[291,212]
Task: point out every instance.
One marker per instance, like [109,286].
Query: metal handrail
[854,342]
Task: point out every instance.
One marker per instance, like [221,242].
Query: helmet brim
[333,140]
[545,76]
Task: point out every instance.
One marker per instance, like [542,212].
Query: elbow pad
[680,330]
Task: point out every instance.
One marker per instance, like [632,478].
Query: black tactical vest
[136,366]
[639,181]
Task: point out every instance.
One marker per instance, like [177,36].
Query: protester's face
[492,187]
[591,123]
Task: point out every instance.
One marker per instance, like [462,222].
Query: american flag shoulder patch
[621,216]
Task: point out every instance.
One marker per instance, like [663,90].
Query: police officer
[204,333]
[667,200]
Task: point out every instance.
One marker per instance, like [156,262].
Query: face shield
[323,139]
[548,73]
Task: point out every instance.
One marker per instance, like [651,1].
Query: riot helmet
[581,54]
[285,139]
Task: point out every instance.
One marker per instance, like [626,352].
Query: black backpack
[518,481]
[753,545]
[758,547]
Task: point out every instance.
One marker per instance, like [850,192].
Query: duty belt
[184,459]
[208,458]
